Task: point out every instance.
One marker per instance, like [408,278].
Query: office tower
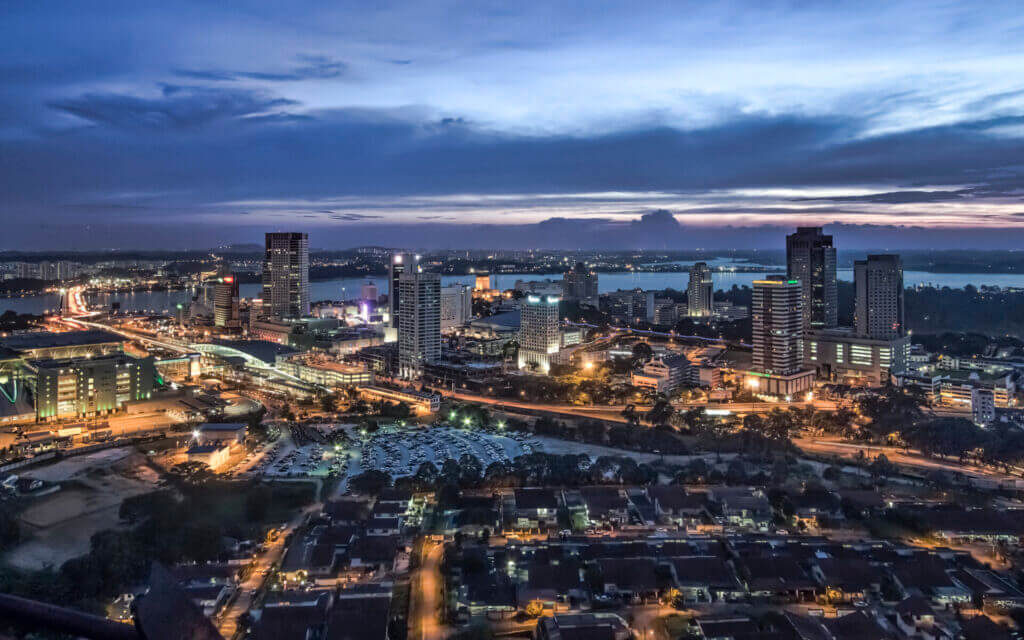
[456,305]
[483,282]
[580,283]
[225,302]
[700,291]
[400,262]
[811,259]
[777,312]
[369,292]
[878,282]
[419,327]
[286,276]
[539,335]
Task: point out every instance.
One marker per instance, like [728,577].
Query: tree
[470,470]
[371,482]
[426,476]
[642,351]
[660,412]
[328,403]
[535,608]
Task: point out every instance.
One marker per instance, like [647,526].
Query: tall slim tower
[811,259]
[777,318]
[400,262]
[700,291]
[286,276]
[419,321]
[539,336]
[878,282]
[225,302]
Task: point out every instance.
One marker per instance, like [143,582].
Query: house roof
[710,571]
[629,574]
[536,499]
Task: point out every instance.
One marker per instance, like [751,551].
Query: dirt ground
[59,525]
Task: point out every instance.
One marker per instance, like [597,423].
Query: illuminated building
[286,276]
[419,326]
[700,291]
[483,282]
[83,387]
[839,355]
[878,284]
[811,259]
[225,303]
[398,265]
[539,335]
[777,320]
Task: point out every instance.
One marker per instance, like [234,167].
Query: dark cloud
[353,217]
[178,107]
[311,68]
[896,197]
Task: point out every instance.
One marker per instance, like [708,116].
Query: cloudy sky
[557,124]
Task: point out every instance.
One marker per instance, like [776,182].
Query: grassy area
[674,626]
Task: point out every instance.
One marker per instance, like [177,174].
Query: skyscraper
[580,283]
[878,282]
[225,302]
[700,291]
[539,336]
[398,265]
[419,317]
[811,259]
[286,276]
[777,315]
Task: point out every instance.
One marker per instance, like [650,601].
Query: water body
[347,288]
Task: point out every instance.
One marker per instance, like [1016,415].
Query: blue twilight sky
[545,124]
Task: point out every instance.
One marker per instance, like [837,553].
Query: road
[425,598]
[897,456]
[227,621]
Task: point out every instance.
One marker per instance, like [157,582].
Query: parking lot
[347,451]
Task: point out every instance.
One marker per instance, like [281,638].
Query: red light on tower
[229,279]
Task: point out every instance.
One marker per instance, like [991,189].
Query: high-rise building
[878,282]
[225,302]
[777,320]
[700,291]
[419,321]
[811,259]
[483,282]
[539,335]
[400,262]
[456,305]
[580,283]
[777,316]
[286,276]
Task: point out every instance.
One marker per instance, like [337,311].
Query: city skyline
[547,126]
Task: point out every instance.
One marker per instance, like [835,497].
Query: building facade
[225,303]
[84,387]
[811,260]
[539,335]
[419,328]
[878,306]
[840,355]
[580,283]
[399,263]
[286,276]
[456,305]
[777,319]
[700,291]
